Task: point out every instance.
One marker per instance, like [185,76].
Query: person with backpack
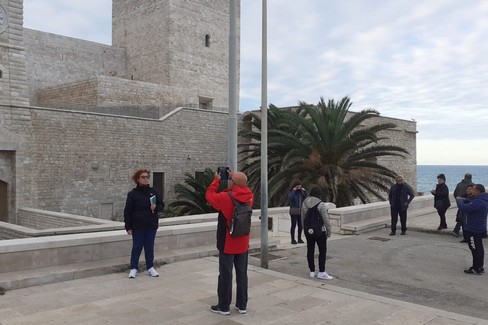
[232,249]
[317,229]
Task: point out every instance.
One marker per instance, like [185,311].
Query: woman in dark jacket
[441,200]
[141,220]
[296,196]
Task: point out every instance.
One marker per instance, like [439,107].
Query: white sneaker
[312,274]
[324,276]
[152,272]
[132,273]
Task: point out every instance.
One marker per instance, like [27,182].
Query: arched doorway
[3,202]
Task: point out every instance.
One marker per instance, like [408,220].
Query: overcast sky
[408,59]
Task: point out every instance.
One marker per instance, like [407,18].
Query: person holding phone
[296,196]
[141,221]
[233,251]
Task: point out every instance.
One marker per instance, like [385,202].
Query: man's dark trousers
[475,243]
[224,289]
[394,218]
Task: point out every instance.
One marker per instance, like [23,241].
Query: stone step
[40,276]
[384,221]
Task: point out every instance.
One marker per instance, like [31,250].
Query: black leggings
[322,244]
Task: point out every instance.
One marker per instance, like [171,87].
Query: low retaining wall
[355,219]
[33,253]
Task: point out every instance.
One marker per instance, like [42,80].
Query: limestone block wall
[193,65]
[75,95]
[113,95]
[405,136]
[81,163]
[53,60]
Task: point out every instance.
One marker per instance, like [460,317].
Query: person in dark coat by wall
[400,196]
[441,200]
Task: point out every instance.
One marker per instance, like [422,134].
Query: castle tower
[181,44]
[13,81]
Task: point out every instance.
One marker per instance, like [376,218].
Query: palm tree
[278,121]
[325,145]
[190,198]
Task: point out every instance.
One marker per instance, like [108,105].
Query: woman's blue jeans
[142,238]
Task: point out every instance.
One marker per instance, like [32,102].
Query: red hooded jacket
[223,203]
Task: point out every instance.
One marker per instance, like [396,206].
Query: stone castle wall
[79,163]
[405,136]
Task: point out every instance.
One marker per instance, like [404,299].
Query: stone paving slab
[185,290]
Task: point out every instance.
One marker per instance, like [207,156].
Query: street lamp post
[264,141]
[232,119]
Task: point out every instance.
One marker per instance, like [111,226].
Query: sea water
[427,176]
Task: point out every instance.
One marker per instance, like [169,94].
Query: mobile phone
[224,174]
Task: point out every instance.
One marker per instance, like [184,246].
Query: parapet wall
[40,223]
[40,219]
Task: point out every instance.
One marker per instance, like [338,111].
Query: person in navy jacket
[476,210]
[296,196]
[141,221]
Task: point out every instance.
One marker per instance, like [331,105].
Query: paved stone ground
[422,268]
[185,290]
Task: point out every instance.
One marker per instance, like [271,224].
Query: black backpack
[241,218]
[313,222]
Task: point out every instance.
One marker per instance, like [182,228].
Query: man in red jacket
[232,250]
